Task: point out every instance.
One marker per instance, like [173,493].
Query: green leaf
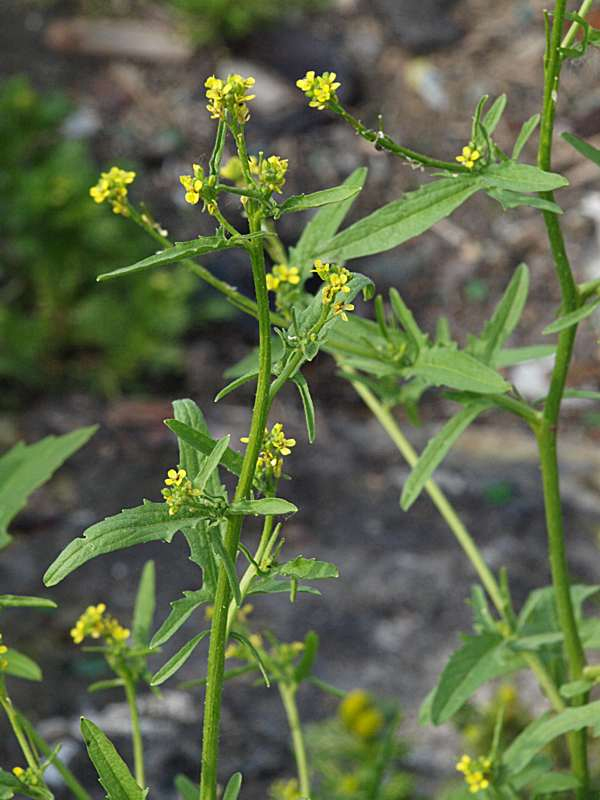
[521,178]
[307,404]
[181,611]
[402,219]
[148,523]
[229,565]
[589,151]
[178,660]
[574,394]
[306,663]
[573,318]
[527,129]
[21,601]
[553,782]
[188,413]
[102,686]
[188,790]
[575,688]
[325,223]
[544,730]
[145,604]
[198,539]
[510,356]
[443,366]
[480,659]
[179,252]
[266,506]
[21,666]
[494,115]
[211,462]
[303,202]
[231,387]
[436,450]
[247,643]
[271,584]
[204,444]
[24,468]
[307,569]
[406,319]
[509,199]
[115,777]
[234,784]
[505,317]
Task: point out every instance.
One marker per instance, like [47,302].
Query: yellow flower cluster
[27,776]
[477,772]
[269,171]
[336,280]
[320,89]
[3,652]
[470,155]
[180,491]
[360,715]
[112,186]
[197,186]
[285,790]
[94,622]
[229,95]
[282,273]
[275,445]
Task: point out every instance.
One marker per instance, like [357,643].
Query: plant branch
[136,734]
[288,697]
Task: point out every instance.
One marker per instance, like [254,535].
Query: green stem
[20,736]
[572,32]
[218,635]
[136,734]
[547,433]
[462,535]
[383,142]
[70,780]
[288,697]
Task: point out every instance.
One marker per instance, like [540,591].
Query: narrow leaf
[266,506]
[21,666]
[205,444]
[179,252]
[307,569]
[115,777]
[212,461]
[234,784]
[188,790]
[245,641]
[302,202]
[181,611]
[406,319]
[480,659]
[521,178]
[305,665]
[573,318]
[307,404]
[178,660]
[229,566]
[506,315]
[436,450]
[21,601]
[26,467]
[509,199]
[494,115]
[589,151]
[188,413]
[524,135]
[510,356]
[325,223]
[442,366]
[231,387]
[145,604]
[544,730]
[402,219]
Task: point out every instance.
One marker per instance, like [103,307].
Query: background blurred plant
[53,320]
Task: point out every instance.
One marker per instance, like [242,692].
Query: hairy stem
[218,635]
[547,433]
[288,697]
[136,734]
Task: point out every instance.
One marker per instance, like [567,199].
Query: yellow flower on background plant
[360,715]
[96,624]
[3,652]
[469,157]
[320,89]
[270,171]
[477,772]
[112,186]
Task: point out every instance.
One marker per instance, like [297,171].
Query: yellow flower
[96,624]
[477,772]
[180,492]
[18,772]
[339,309]
[368,723]
[275,445]
[335,278]
[469,156]
[353,704]
[282,273]
[320,89]
[285,790]
[232,171]
[112,186]
[3,652]
[360,715]
[229,95]
[270,171]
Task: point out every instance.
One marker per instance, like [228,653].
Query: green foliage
[113,773]
[56,240]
